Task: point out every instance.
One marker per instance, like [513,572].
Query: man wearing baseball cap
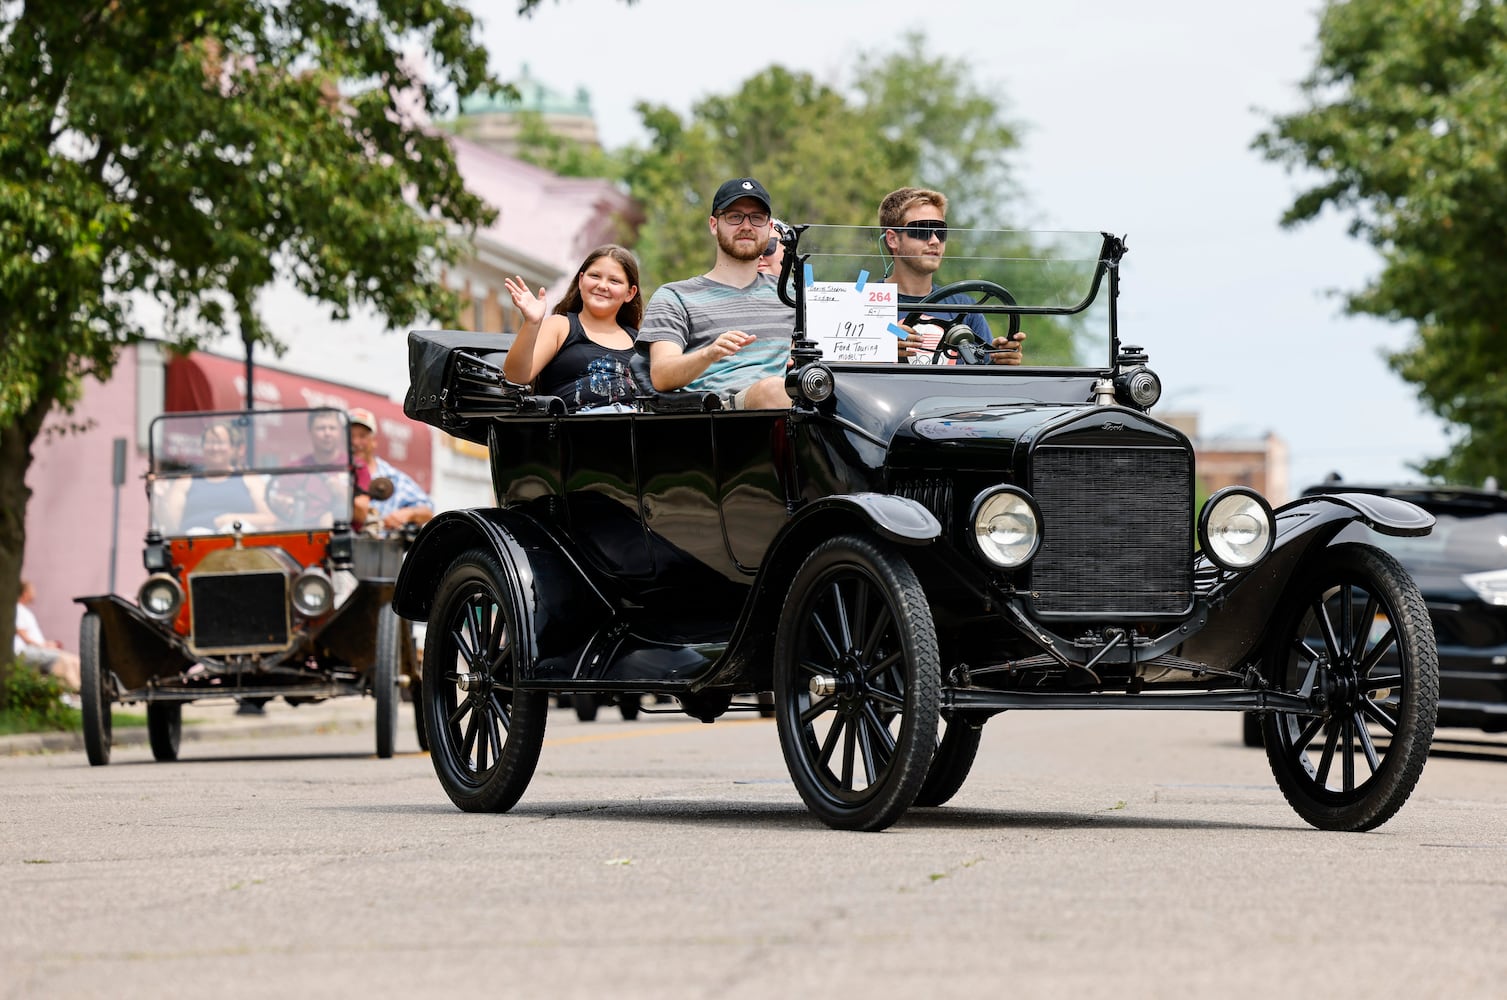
[409,504]
[725,331]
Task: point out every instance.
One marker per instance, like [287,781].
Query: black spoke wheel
[857,679]
[384,679]
[164,728]
[1357,635]
[484,734]
[957,746]
[585,706]
[96,691]
[627,705]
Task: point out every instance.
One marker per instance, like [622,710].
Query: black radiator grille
[932,492]
[1118,530]
[234,611]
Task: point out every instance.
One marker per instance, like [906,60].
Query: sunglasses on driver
[924,229]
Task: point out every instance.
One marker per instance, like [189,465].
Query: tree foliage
[826,152]
[184,154]
[1406,125]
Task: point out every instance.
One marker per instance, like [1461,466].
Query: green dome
[533,95]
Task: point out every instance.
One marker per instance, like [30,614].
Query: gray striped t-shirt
[695,312]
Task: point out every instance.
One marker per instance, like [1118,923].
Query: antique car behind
[905,553]
[258,586]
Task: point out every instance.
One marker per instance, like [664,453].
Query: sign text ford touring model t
[905,553]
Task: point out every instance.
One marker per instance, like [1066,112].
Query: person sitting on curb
[36,650]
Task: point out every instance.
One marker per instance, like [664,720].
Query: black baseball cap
[739,187]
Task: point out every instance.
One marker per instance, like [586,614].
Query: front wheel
[484,734]
[957,747]
[1357,639]
[857,684]
[164,728]
[95,691]
[385,667]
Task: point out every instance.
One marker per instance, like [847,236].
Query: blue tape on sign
[897,331]
[863,277]
[810,277]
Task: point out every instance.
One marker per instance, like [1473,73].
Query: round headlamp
[313,594]
[1236,528]
[160,597]
[1138,387]
[1006,526]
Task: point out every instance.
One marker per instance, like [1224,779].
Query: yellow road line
[637,733]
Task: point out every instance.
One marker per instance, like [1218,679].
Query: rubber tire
[1373,801]
[627,704]
[164,728]
[476,582]
[94,695]
[832,795]
[585,706]
[385,667]
[1250,729]
[956,751]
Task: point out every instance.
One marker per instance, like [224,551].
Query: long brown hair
[631,313]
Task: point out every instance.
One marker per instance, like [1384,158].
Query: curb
[22,744]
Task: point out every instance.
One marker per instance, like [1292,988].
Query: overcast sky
[1138,120]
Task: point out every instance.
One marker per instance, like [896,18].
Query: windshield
[268,470]
[860,281]
[1456,545]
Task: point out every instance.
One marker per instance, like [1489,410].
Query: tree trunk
[16,439]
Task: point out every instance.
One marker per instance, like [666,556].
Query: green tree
[186,154]
[825,152]
[1406,126]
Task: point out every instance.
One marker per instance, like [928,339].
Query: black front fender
[1243,604]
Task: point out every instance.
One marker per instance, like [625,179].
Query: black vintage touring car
[259,585]
[906,552]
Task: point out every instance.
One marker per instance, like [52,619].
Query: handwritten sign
[850,321]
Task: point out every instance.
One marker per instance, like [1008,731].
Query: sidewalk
[215,720]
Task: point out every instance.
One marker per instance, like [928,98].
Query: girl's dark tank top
[584,373]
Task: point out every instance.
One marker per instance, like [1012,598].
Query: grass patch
[30,702]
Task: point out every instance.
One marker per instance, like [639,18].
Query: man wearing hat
[725,331]
[409,504]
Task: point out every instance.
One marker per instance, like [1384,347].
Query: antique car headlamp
[812,384]
[1006,526]
[313,593]
[1236,528]
[1138,387]
[160,597]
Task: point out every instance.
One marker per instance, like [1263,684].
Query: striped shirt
[695,312]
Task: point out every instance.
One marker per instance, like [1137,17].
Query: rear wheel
[1357,635]
[585,706]
[857,684]
[96,691]
[385,669]
[484,734]
[164,728]
[627,704]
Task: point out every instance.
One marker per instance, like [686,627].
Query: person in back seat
[582,352]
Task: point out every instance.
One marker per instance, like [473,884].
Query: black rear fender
[558,605]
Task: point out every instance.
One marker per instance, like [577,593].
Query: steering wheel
[968,348]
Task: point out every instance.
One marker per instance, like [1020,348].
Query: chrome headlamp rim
[1219,504]
[159,581]
[321,584]
[977,510]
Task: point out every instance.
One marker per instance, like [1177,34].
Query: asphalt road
[1089,855]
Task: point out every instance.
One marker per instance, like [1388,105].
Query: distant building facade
[1261,463]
